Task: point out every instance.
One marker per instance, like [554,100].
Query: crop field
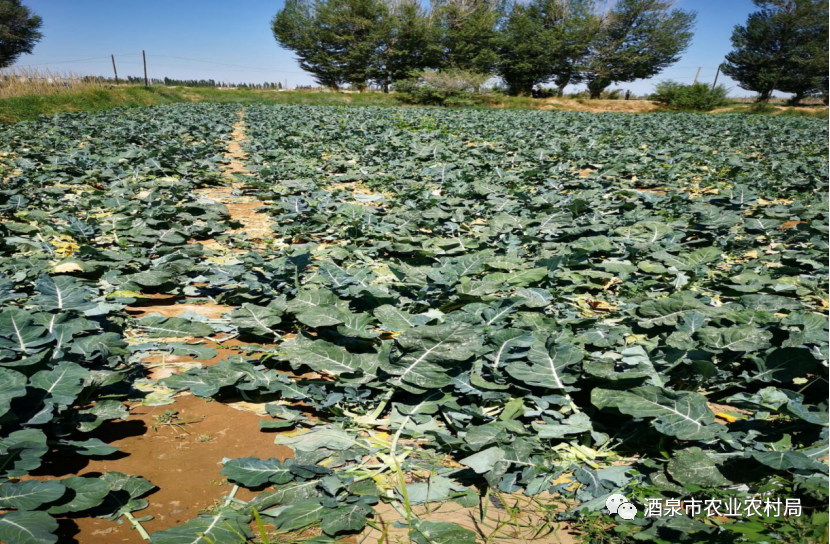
[269,323]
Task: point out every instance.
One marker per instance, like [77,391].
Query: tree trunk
[596,86]
[796,99]
[560,90]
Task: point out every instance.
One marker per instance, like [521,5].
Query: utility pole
[114,70]
[716,77]
[144,58]
[697,74]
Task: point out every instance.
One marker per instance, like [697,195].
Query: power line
[61,62]
[233,65]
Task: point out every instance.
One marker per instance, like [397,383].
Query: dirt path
[183,461]
[529,523]
[255,225]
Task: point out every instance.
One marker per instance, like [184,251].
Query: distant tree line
[136,80]
[359,42]
[782,47]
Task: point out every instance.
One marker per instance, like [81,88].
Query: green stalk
[137,525]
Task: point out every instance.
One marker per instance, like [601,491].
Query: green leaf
[323,436]
[12,385]
[349,518]
[156,326]
[82,494]
[740,338]
[220,527]
[30,494]
[574,424]
[484,460]
[253,472]
[518,278]
[28,528]
[784,364]
[62,293]
[680,414]
[549,366]
[315,308]
[426,348]
[287,494]
[105,410]
[784,460]
[440,532]
[298,514]
[257,320]
[18,333]
[694,466]
[323,356]
[668,311]
[62,383]
[90,446]
[396,320]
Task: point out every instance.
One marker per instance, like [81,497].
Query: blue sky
[232,40]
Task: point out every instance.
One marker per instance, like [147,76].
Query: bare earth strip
[183,461]
[256,225]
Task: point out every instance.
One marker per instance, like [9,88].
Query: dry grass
[33,81]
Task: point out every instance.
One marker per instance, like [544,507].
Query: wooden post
[697,74]
[114,70]
[144,58]
[716,77]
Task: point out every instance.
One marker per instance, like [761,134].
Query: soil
[183,461]
[597,106]
[529,525]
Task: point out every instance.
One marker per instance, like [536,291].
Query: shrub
[446,88]
[694,97]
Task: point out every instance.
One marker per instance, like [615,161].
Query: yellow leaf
[65,268]
[563,479]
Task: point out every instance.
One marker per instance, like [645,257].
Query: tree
[470,36]
[523,50]
[544,40]
[295,28]
[637,39]
[573,26]
[19,31]
[782,46]
[336,40]
[409,43]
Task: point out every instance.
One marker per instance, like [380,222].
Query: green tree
[573,25]
[19,31]
[470,33]
[409,43]
[523,49]
[637,39]
[782,46]
[335,40]
[544,40]
[295,28]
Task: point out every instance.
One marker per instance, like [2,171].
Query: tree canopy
[782,46]
[637,40]
[525,43]
[19,31]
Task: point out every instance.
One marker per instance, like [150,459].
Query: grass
[29,107]
[817,111]
[93,97]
